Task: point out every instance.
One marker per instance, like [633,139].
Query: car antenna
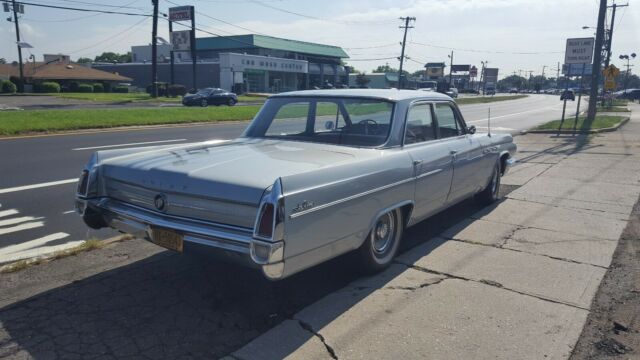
[489,123]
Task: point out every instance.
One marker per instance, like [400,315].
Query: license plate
[168,239]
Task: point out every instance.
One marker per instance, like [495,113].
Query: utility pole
[482,77]
[14,7]
[404,41]
[450,68]
[613,19]
[154,51]
[193,49]
[171,55]
[597,59]
[558,75]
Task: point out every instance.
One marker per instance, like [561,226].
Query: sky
[513,35]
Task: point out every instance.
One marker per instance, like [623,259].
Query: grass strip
[600,122]
[487,99]
[40,121]
[612,109]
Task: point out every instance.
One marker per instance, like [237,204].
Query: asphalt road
[38,173]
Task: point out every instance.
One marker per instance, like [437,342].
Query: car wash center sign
[579,51]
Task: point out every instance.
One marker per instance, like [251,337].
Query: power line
[386,58]
[112,36]
[370,47]
[488,51]
[76,18]
[125,6]
[78,9]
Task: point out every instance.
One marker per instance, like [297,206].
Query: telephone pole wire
[154,51]
[406,26]
[597,60]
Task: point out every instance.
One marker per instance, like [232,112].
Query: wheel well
[406,213]
[503,162]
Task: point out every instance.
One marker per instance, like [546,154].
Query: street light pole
[626,76]
[15,20]
[154,51]
[597,58]
[404,41]
[450,68]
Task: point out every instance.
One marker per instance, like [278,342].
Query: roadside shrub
[162,89]
[121,89]
[7,87]
[98,88]
[107,87]
[47,87]
[73,86]
[177,90]
[15,80]
[85,88]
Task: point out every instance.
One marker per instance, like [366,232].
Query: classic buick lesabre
[316,174]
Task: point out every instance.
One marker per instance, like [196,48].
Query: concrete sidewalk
[513,281]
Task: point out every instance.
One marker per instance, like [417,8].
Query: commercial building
[252,63]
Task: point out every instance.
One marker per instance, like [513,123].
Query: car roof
[384,94]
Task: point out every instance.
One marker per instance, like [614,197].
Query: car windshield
[341,121]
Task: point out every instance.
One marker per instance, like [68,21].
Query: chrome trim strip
[428,173]
[349,198]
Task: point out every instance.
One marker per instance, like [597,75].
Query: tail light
[269,224]
[83,183]
[265,221]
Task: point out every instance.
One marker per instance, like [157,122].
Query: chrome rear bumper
[231,242]
[508,165]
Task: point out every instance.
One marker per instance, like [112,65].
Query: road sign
[576,69]
[611,71]
[180,13]
[579,51]
[610,84]
[181,40]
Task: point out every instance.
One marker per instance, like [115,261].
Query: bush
[121,89]
[162,89]
[73,86]
[98,88]
[85,88]
[47,87]
[7,87]
[176,90]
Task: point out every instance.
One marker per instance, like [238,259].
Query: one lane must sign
[579,51]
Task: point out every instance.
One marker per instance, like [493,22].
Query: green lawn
[600,122]
[35,121]
[612,109]
[487,99]
[139,97]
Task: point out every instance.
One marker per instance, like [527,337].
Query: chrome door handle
[453,152]
[417,162]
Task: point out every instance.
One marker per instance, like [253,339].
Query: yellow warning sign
[611,71]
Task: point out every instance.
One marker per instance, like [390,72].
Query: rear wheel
[204,103]
[492,192]
[383,241]
[231,102]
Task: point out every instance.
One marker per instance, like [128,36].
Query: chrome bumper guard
[234,242]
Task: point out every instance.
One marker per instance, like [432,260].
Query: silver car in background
[315,175]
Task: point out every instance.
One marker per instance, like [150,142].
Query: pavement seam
[491,283]
[309,328]
[571,207]
[509,237]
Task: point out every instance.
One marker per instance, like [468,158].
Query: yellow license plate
[167,239]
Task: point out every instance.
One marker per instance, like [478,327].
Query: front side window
[448,125]
[341,121]
[419,125]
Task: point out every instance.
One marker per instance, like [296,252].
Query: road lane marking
[17,220]
[513,114]
[41,251]
[130,144]
[32,243]
[26,226]
[36,186]
[68,212]
[8,212]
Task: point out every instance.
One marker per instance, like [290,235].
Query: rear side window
[447,121]
[291,119]
[419,125]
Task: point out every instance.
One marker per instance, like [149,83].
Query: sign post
[577,51]
[183,40]
[575,122]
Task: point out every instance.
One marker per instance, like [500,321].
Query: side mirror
[472,129]
[328,125]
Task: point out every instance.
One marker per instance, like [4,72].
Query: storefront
[256,73]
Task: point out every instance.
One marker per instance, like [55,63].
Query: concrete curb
[595,131]
[25,263]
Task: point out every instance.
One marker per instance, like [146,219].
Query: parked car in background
[453,92]
[568,95]
[513,91]
[315,175]
[210,96]
[629,94]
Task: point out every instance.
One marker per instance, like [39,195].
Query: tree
[418,73]
[113,57]
[384,69]
[3,61]
[512,81]
[84,60]
[362,80]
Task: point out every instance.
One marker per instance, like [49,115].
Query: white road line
[513,114]
[130,144]
[17,220]
[36,186]
[8,212]
[45,250]
[32,243]
[68,212]
[26,226]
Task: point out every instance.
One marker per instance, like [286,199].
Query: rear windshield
[340,121]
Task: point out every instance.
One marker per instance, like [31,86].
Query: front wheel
[382,243]
[492,192]
[231,102]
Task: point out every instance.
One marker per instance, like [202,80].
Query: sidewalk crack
[414,288]
[309,328]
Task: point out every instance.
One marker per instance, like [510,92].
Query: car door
[466,152]
[431,160]
[215,97]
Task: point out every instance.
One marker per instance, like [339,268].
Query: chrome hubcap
[383,233]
